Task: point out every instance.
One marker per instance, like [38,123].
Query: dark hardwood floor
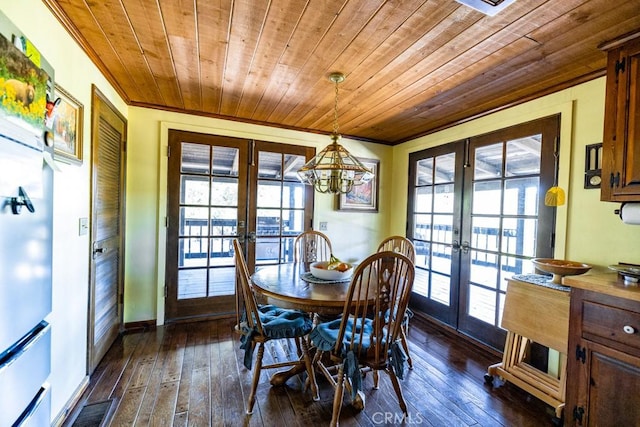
[192,374]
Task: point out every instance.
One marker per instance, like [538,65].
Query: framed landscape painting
[67,128]
[363,198]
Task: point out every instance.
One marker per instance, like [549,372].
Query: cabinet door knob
[628,329]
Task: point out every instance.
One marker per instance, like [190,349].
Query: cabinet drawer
[615,325]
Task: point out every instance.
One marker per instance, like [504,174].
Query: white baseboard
[71,403]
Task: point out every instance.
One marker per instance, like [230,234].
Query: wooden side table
[534,311]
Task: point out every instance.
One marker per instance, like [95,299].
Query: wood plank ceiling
[411,66]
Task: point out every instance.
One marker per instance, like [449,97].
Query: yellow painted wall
[352,234]
[587,229]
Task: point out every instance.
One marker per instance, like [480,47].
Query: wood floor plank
[165,406]
[181,420]
[127,410]
[235,392]
[107,374]
[184,390]
[192,375]
[215,373]
[173,365]
[152,389]
[137,371]
[199,398]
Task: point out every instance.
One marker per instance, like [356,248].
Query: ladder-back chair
[365,337]
[404,246]
[259,324]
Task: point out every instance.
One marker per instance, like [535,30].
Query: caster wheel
[359,401]
[488,379]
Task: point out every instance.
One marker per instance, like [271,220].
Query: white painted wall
[75,73]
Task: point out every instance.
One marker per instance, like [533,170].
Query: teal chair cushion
[276,323]
[325,336]
[283,323]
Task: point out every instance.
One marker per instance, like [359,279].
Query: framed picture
[363,198]
[67,128]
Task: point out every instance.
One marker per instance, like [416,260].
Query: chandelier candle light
[334,170]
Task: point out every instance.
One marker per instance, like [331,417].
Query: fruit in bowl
[331,270]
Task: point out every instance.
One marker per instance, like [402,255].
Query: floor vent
[94,414]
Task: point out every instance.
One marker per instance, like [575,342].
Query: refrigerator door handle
[22,200]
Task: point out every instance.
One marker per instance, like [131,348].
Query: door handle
[455,247]
[252,236]
[98,250]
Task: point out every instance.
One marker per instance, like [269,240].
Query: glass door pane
[434,227]
[207,182]
[501,224]
[476,217]
[283,205]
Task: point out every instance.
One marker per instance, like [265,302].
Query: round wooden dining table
[292,286]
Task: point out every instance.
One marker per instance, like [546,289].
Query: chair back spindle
[399,244]
[312,246]
[246,304]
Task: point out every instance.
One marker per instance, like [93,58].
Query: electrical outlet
[323,226]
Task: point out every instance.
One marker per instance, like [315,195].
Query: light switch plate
[83,226]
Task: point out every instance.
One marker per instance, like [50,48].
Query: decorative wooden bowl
[560,268]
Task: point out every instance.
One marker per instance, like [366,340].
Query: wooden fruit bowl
[560,268]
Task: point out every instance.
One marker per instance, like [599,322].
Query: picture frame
[67,128]
[363,198]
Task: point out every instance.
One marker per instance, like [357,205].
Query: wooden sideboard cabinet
[603,373]
[621,140]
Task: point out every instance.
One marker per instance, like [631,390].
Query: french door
[280,206]
[476,215]
[221,188]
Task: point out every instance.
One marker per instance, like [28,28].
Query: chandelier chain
[334,170]
[335,111]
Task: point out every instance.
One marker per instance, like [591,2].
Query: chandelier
[334,170]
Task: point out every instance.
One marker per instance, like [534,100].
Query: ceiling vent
[488,7]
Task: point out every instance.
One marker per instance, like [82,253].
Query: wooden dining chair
[399,244]
[259,324]
[312,246]
[404,246]
[364,337]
